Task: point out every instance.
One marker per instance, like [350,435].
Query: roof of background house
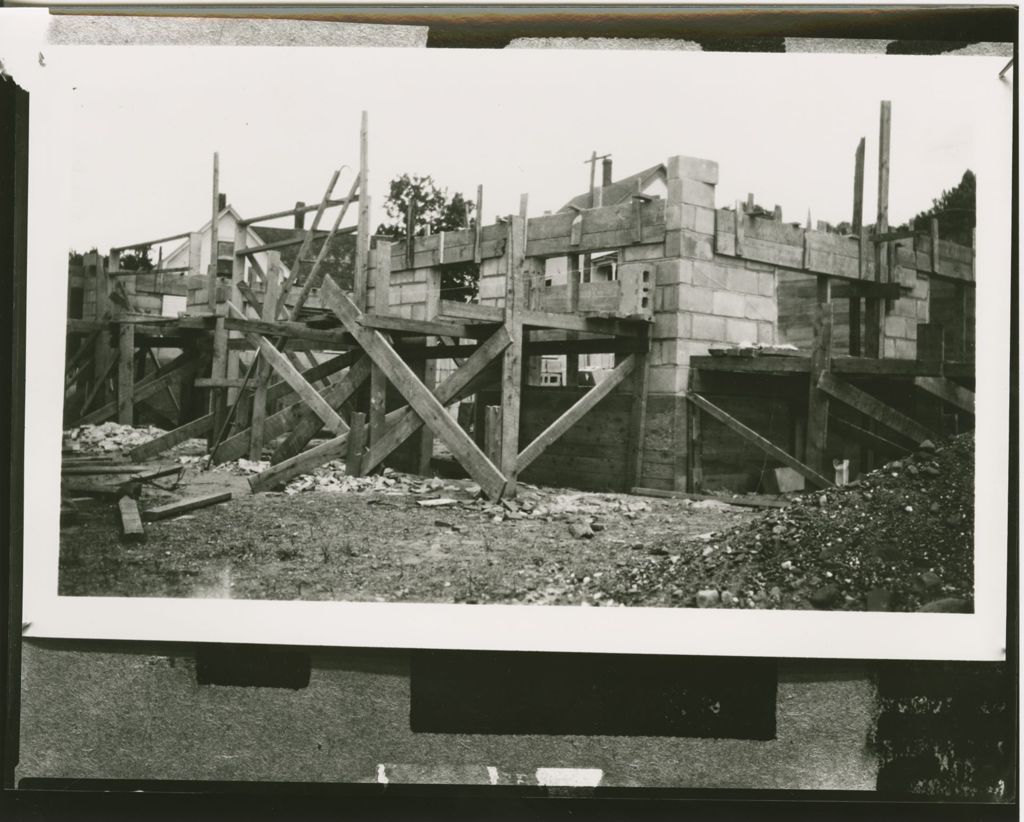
[620,190]
[339,262]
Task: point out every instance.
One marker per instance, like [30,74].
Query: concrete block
[740,279]
[413,293]
[766,333]
[922,287]
[666,298]
[693,348]
[783,481]
[676,216]
[922,311]
[740,331]
[695,299]
[419,311]
[674,191]
[766,283]
[693,168]
[906,349]
[666,379]
[689,244]
[729,304]
[490,288]
[697,193]
[703,220]
[753,265]
[673,272]
[708,327]
[710,274]
[666,325]
[760,308]
[905,307]
[643,253]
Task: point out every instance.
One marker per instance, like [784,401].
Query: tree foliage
[955,210]
[130,261]
[433,209]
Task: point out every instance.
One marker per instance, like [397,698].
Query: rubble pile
[107,438]
[900,538]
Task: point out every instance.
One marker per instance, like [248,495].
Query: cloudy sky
[146,121]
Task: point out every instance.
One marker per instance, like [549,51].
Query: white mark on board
[570,777]
[492,774]
[382,776]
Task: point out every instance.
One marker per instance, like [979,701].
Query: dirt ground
[901,538]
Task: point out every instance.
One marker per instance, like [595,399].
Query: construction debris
[173,509]
[109,437]
[132,529]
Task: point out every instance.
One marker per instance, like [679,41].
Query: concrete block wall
[702,298]
[899,335]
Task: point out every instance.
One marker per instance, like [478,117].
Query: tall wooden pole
[858,227]
[363,229]
[211,277]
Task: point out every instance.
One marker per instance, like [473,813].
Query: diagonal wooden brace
[423,402]
[403,423]
[290,374]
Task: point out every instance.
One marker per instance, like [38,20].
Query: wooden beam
[868,438]
[512,363]
[576,412]
[363,231]
[423,402]
[132,529]
[291,375]
[288,419]
[875,409]
[173,509]
[947,391]
[817,401]
[638,421]
[858,187]
[403,423]
[307,423]
[378,382]
[211,273]
[356,445]
[291,212]
[756,439]
[572,300]
[166,441]
[425,327]
[259,399]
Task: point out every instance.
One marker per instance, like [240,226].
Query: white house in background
[338,263]
[602,267]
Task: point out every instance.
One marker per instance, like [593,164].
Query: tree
[955,211]
[433,209]
[131,261]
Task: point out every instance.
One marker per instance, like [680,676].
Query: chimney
[222,201]
[300,218]
[606,171]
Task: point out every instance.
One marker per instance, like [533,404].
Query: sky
[146,121]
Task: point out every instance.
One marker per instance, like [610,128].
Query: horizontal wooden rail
[291,212]
[148,243]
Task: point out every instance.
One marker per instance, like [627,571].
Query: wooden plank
[694,449]
[512,362]
[423,402]
[291,212]
[378,382]
[173,509]
[363,230]
[875,409]
[132,529]
[817,401]
[164,442]
[572,302]
[425,327]
[288,330]
[866,437]
[474,312]
[638,421]
[756,439]
[858,187]
[306,423]
[492,432]
[291,375]
[403,423]
[259,400]
[745,501]
[576,412]
[947,391]
[356,445]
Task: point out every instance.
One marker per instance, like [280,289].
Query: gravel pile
[901,538]
[107,438]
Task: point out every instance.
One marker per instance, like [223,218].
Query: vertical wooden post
[218,370]
[211,276]
[126,348]
[363,227]
[356,445]
[572,292]
[263,370]
[638,421]
[478,224]
[817,401]
[102,352]
[858,228]
[492,433]
[875,313]
[428,371]
[237,276]
[512,366]
[694,449]
[381,299]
